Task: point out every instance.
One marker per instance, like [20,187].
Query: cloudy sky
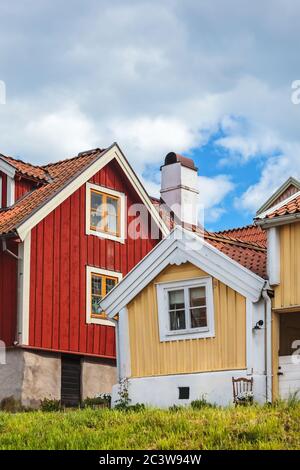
[207,78]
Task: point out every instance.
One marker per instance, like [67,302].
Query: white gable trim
[6,168]
[108,155]
[268,204]
[177,248]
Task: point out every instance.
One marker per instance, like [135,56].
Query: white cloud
[212,192]
[155,76]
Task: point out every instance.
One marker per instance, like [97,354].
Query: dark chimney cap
[173,157]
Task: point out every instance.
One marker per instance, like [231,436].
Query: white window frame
[104,272]
[162,290]
[109,192]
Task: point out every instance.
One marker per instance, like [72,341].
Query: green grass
[253,427]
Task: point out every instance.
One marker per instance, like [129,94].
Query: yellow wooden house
[201,309]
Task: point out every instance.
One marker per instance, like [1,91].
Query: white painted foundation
[215,387]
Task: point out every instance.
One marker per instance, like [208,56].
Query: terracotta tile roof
[27,169]
[291,207]
[249,255]
[249,233]
[246,245]
[60,173]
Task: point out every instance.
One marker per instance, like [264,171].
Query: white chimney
[179,187]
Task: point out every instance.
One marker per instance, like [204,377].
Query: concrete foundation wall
[97,376]
[31,376]
[11,375]
[41,378]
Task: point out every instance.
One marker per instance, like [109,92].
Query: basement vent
[184,393]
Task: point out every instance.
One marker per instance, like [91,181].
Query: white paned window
[105,212]
[185,309]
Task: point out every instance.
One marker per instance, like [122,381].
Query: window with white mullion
[177,311]
[187,312]
[198,307]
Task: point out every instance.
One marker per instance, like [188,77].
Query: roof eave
[277,221]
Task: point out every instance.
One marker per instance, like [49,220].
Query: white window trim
[103,272]
[163,310]
[112,192]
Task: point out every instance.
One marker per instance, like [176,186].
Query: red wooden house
[64,245]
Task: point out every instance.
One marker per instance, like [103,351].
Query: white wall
[162,391]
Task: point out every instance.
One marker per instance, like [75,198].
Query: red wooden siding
[60,252]
[22,186]
[4,189]
[8,295]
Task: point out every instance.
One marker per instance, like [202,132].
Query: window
[99,283]
[105,213]
[185,309]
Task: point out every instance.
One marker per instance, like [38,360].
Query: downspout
[268,341]
[117,347]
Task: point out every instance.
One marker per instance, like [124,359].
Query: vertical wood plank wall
[4,189]
[227,350]
[8,295]
[60,252]
[287,293]
[22,186]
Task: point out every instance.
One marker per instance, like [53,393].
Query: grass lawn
[268,427]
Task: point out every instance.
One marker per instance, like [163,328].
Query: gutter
[268,341]
[277,221]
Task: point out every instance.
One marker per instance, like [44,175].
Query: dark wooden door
[70,380]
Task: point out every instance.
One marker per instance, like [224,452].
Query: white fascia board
[111,153]
[8,169]
[278,221]
[174,250]
[140,190]
[277,206]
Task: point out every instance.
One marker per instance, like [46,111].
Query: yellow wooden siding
[288,292]
[227,350]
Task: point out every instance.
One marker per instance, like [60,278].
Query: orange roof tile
[249,233]
[249,255]
[246,245]
[60,173]
[291,207]
[27,169]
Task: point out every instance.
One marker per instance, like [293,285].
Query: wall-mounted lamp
[258,325]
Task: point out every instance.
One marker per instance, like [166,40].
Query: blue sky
[209,79]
